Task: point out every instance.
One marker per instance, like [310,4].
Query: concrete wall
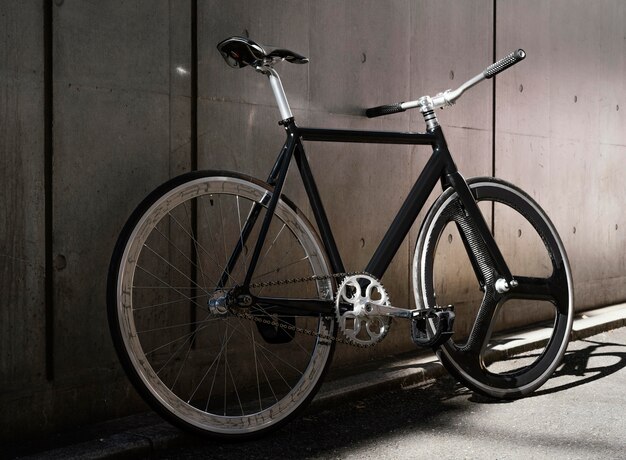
[115,80]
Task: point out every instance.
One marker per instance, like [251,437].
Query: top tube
[367,137]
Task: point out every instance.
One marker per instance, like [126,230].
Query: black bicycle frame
[440,167]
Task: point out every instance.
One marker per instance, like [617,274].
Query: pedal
[442,321]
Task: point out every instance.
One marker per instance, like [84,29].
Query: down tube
[407,214]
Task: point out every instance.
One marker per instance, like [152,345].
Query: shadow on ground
[332,432]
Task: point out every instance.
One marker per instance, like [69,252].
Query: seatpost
[279,93]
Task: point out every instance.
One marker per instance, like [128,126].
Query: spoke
[188,339]
[182,365]
[208,399]
[276,270]
[184,336]
[215,362]
[264,310]
[169,286]
[283,256]
[274,241]
[232,379]
[219,359]
[172,302]
[175,326]
[269,384]
[225,366]
[256,365]
[280,268]
[183,254]
[211,232]
[264,349]
[195,240]
[483,325]
[278,372]
[474,247]
[196,285]
[534,289]
[258,361]
[202,247]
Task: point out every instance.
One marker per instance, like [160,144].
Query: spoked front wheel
[200,360]
[452,267]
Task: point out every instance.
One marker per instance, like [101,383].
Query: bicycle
[225,304]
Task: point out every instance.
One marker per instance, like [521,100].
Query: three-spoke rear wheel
[452,267]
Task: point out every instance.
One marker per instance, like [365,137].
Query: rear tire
[209,371]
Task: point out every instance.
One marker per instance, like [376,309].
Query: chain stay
[289,327]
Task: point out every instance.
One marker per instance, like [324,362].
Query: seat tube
[290,146]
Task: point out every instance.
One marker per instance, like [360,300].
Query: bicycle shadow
[384,417]
[576,363]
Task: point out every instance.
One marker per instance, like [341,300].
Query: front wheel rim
[469,364]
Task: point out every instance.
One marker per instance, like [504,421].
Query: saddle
[239,52]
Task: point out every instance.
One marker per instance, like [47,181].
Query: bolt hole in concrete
[452,75]
[519,232]
[59,262]
[575,99]
[363,58]
[574,230]
[450,238]
[521,88]
[362,242]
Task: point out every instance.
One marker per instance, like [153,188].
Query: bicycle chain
[289,327]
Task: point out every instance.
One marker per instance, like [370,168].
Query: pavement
[147,435]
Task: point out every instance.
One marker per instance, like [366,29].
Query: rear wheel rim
[284,377]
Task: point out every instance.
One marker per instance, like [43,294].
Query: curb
[149,433]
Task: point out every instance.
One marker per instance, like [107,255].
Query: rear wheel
[451,266]
[205,366]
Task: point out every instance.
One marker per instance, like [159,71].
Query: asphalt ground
[408,408]
[578,414]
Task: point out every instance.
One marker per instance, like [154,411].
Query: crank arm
[373,309]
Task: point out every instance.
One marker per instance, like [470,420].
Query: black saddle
[239,52]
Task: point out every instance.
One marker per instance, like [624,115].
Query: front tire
[451,266]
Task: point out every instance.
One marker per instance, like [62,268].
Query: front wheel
[203,365]
[452,267]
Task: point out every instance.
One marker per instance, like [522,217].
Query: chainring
[358,326]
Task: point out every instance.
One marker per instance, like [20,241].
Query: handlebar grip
[384,110]
[504,63]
